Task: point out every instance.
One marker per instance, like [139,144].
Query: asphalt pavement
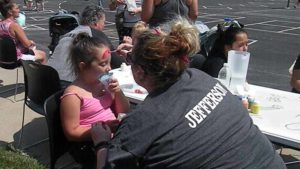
[274,32]
[273,29]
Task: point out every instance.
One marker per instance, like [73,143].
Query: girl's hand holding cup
[114,86]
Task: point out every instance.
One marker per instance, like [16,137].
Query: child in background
[87,100]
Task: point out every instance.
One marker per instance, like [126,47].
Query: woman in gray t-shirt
[156,12]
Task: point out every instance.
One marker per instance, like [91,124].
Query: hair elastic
[157,31]
[185,59]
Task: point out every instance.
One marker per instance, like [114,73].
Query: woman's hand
[123,49]
[100,132]
[32,45]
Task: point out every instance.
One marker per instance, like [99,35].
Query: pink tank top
[94,109]
[4,30]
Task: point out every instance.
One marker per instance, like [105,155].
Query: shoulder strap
[70,94]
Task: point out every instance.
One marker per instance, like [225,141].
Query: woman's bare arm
[193,9]
[20,34]
[147,10]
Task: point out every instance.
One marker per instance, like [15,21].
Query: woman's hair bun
[80,37]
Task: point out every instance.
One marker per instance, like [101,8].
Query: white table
[125,77]
[278,118]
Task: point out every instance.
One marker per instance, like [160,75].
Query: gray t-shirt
[168,10]
[59,59]
[195,123]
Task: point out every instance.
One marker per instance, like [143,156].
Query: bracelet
[100,145]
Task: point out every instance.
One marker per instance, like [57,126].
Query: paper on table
[133,88]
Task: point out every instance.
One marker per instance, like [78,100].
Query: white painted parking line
[289,21]
[261,30]
[38,12]
[34,28]
[219,20]
[257,23]
[108,30]
[288,29]
[39,18]
[38,24]
[252,41]
[274,25]
[108,23]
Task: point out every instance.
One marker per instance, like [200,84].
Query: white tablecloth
[278,118]
[279,114]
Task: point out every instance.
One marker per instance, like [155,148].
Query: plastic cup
[238,62]
[105,79]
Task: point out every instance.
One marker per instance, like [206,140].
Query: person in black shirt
[295,80]
[233,38]
[188,121]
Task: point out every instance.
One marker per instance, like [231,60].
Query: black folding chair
[41,81]
[58,143]
[8,59]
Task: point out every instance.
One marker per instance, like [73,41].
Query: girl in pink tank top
[87,100]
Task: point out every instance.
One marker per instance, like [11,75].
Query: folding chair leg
[16,90]
[21,134]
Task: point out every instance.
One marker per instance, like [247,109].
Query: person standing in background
[156,12]
[125,19]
